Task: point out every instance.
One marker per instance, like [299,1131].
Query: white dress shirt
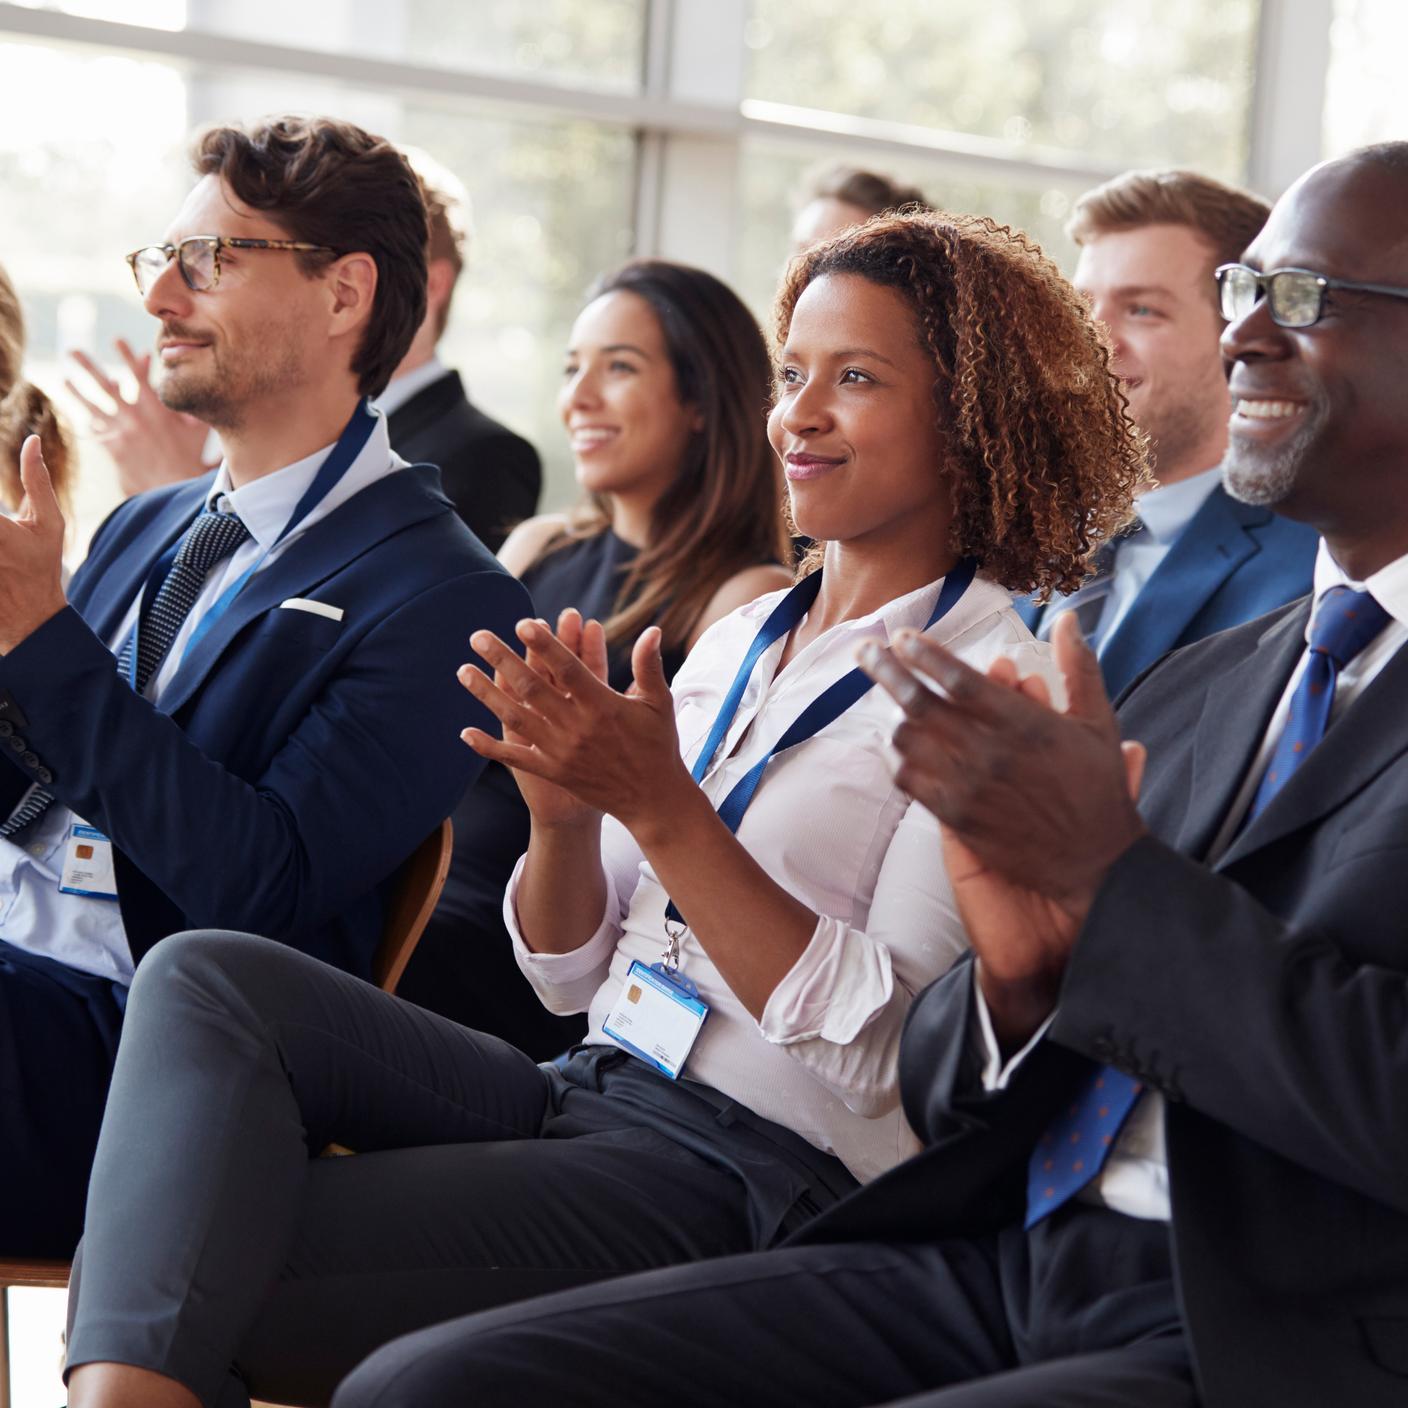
[87,933]
[829,825]
[1135,1178]
[1165,511]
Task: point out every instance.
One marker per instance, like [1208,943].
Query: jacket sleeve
[363,776]
[1269,1027]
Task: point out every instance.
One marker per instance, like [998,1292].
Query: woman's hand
[569,734]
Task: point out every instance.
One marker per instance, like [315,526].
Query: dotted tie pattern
[208,541]
[1345,622]
[1075,1146]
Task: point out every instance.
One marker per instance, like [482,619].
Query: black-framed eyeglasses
[1295,297]
[198,259]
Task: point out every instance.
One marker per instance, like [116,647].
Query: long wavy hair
[25,410]
[1044,458]
[722,512]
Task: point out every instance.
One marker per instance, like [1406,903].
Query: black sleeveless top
[588,575]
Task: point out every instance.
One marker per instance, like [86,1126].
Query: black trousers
[219,1250]
[1080,1313]
[58,1036]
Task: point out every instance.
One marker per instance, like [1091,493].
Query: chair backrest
[418,886]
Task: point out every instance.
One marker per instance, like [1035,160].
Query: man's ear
[351,283]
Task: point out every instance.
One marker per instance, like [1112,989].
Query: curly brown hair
[1044,457]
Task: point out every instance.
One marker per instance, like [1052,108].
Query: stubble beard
[1267,479]
[222,396]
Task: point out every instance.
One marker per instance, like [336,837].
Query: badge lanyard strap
[340,458]
[825,709]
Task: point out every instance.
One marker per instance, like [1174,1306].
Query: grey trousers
[220,1251]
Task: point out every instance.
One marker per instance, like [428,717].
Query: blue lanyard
[340,458]
[825,709]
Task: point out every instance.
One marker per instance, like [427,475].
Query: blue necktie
[208,541]
[1076,1144]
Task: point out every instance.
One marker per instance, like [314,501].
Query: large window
[1365,98]
[1130,82]
[551,201]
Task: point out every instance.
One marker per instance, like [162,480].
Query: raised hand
[149,444]
[31,553]
[564,725]
[1035,805]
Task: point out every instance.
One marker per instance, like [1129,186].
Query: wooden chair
[418,887]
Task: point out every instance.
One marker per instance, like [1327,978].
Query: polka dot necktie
[1075,1146]
[207,542]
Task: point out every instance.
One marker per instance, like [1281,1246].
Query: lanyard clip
[670,958]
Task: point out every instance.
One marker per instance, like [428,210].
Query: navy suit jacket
[1232,563]
[294,760]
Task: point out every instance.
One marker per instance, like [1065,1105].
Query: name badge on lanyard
[88,865]
[340,458]
[659,1013]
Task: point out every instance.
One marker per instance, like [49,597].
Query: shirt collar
[265,505]
[1388,586]
[410,384]
[1167,509]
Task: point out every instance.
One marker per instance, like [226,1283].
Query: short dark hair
[1228,219]
[871,191]
[330,183]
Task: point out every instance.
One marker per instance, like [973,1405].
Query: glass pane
[552,206]
[599,45]
[1365,99]
[1077,75]
[774,177]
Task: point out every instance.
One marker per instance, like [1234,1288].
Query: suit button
[45,776]
[30,760]
[6,728]
[18,744]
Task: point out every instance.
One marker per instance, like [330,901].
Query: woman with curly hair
[726,877]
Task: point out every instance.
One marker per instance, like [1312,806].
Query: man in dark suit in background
[1165,1104]
[279,729]
[491,475]
[1198,561]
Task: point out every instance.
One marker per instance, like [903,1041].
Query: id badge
[657,1017]
[88,867]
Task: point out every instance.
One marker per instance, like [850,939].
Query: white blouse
[829,825]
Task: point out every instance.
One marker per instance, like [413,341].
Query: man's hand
[149,444]
[1035,805]
[31,553]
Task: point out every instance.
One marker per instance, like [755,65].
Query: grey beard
[1265,482]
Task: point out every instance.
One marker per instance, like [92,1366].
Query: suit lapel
[1206,554]
[383,508]
[103,600]
[1233,722]
[1360,744]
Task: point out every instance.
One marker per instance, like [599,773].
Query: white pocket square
[318,608]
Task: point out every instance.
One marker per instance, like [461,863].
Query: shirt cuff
[559,969]
[996,1074]
[833,991]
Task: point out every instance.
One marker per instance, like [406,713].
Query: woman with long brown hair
[664,398]
[724,873]
[25,410]
[665,392]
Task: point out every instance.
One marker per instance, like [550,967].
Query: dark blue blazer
[1232,563]
[294,760]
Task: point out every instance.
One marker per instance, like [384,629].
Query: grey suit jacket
[1267,998]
